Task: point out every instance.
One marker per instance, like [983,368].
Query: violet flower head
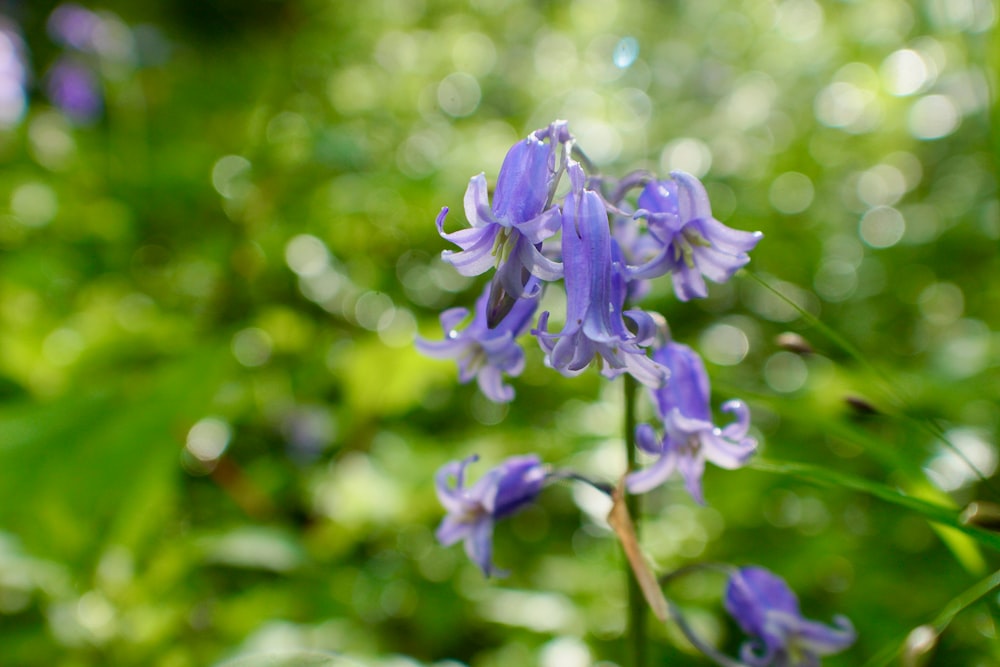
[481,352]
[14,74]
[472,510]
[509,234]
[73,87]
[74,26]
[595,294]
[692,244]
[689,438]
[768,610]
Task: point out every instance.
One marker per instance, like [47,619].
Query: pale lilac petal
[659,265]
[725,453]
[451,318]
[688,284]
[717,266]
[441,349]
[538,264]
[451,497]
[644,369]
[479,547]
[477,203]
[726,239]
[692,200]
[541,226]
[477,257]
[490,381]
[739,428]
[691,469]
[822,639]
[452,530]
[646,328]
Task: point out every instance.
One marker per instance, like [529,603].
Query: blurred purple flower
[595,294]
[691,244]
[73,87]
[690,438]
[14,74]
[481,352]
[768,610]
[509,234]
[74,26]
[472,511]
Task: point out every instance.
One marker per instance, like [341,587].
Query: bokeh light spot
[904,72]
[882,227]
[459,94]
[34,204]
[791,192]
[626,51]
[230,176]
[208,439]
[686,154]
[933,117]
[785,372]
[307,255]
[724,344]
[252,347]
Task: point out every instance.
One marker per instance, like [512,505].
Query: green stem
[635,629]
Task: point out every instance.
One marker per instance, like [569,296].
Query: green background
[240,250]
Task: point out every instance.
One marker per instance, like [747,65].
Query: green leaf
[933,512]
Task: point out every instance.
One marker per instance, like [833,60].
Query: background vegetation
[217,438]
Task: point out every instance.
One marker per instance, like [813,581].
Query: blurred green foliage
[216,437]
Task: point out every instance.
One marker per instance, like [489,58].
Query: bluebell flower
[690,438]
[481,352]
[768,610]
[74,88]
[473,510]
[595,295]
[509,234]
[691,244]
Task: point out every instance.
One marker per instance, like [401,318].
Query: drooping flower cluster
[606,250]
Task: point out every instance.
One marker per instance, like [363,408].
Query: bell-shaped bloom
[481,352]
[692,245]
[509,233]
[768,610]
[689,436]
[472,510]
[595,294]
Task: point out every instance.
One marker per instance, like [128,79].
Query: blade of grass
[957,605]
[892,391]
[933,512]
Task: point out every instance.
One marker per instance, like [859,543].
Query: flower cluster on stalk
[605,247]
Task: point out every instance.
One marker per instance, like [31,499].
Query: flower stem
[635,628]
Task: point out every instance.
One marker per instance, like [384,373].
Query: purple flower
[768,610]
[690,438]
[73,88]
[74,26]
[14,74]
[692,245]
[595,295]
[481,352]
[472,511]
[510,233]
